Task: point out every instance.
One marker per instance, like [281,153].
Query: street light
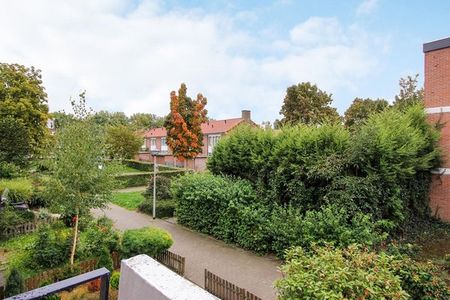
[155,169]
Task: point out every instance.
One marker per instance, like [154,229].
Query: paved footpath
[245,269]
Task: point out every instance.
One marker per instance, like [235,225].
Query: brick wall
[437,103]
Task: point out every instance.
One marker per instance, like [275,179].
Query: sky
[129,55]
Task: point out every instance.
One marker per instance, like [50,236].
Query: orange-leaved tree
[183,124]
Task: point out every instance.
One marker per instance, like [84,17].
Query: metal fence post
[104,287]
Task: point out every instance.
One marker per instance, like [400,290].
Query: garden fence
[173,261]
[57,274]
[225,290]
[26,227]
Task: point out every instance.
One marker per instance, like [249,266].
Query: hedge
[143,178]
[147,240]
[146,166]
[164,208]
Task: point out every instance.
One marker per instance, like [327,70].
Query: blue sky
[129,55]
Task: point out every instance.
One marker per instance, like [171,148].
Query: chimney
[246,115]
[437,107]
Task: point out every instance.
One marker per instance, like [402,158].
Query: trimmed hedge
[139,179]
[164,208]
[148,240]
[146,166]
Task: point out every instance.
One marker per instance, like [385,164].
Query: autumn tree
[23,97]
[409,94]
[81,177]
[183,124]
[361,109]
[306,103]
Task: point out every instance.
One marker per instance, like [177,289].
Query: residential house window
[164,144]
[153,144]
[213,139]
[144,146]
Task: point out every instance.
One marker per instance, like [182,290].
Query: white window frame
[164,147]
[213,139]
[153,144]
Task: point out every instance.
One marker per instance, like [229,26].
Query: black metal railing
[69,283]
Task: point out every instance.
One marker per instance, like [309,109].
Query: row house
[155,142]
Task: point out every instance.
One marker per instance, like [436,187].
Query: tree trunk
[74,243]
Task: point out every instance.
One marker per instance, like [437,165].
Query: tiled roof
[216,126]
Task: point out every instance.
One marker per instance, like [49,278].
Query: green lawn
[129,200]
[18,252]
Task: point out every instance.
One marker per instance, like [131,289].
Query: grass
[18,252]
[129,200]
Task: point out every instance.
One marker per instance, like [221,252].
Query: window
[213,139]
[153,144]
[144,145]
[163,144]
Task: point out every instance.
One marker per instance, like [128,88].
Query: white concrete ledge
[441,171]
[437,110]
[142,278]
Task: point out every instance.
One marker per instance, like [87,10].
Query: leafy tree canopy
[105,118]
[306,103]
[183,124]
[122,142]
[14,141]
[23,97]
[409,94]
[142,121]
[361,109]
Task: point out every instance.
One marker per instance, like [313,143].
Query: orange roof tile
[214,126]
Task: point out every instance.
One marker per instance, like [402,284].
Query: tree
[14,141]
[23,97]
[409,94]
[142,121]
[122,142]
[106,118]
[306,103]
[183,124]
[81,179]
[361,109]
[61,118]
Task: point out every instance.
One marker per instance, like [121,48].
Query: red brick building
[437,105]
[155,142]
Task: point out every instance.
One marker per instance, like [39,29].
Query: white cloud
[130,58]
[367,7]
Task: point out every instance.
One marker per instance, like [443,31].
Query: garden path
[245,269]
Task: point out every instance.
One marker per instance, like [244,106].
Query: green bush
[96,237]
[8,170]
[164,208]
[11,217]
[52,247]
[138,165]
[163,184]
[327,273]
[14,283]
[115,279]
[420,280]
[150,241]
[131,180]
[105,260]
[20,189]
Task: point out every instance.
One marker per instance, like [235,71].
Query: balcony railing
[69,283]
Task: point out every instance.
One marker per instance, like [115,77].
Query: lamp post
[154,183]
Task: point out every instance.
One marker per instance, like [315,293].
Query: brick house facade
[437,106]
[155,142]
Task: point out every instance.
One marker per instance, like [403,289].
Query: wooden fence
[173,261]
[225,290]
[54,275]
[25,227]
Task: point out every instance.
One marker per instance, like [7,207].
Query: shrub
[115,278]
[131,180]
[105,260]
[138,165]
[162,188]
[20,189]
[150,241]
[52,247]
[328,273]
[164,208]
[14,283]
[98,236]
[8,170]
[11,217]
[420,280]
